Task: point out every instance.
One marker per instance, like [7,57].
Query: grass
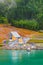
[36,41]
[36,38]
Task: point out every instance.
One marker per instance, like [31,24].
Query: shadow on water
[21,57]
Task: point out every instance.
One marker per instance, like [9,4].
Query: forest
[26,14]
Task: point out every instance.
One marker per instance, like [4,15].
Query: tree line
[22,13]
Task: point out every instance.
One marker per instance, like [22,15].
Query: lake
[21,57]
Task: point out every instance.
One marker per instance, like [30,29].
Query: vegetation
[36,41]
[28,24]
[22,13]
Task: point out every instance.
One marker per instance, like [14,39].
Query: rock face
[5,30]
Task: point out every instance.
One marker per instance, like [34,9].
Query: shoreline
[17,47]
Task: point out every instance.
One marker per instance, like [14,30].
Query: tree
[22,10]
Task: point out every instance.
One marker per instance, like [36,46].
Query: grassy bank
[37,38]
[36,41]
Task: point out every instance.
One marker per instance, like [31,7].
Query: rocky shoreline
[18,47]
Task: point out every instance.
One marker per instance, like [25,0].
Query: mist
[9,3]
[1,1]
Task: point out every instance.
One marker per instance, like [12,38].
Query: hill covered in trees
[22,13]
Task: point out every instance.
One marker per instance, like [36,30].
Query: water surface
[21,57]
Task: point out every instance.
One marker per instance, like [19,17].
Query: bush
[28,24]
[3,20]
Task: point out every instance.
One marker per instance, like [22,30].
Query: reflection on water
[16,55]
[20,57]
[12,55]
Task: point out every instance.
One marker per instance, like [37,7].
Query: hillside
[26,14]
[5,30]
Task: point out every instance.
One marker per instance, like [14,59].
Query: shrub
[28,24]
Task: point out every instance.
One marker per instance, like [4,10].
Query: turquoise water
[20,57]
